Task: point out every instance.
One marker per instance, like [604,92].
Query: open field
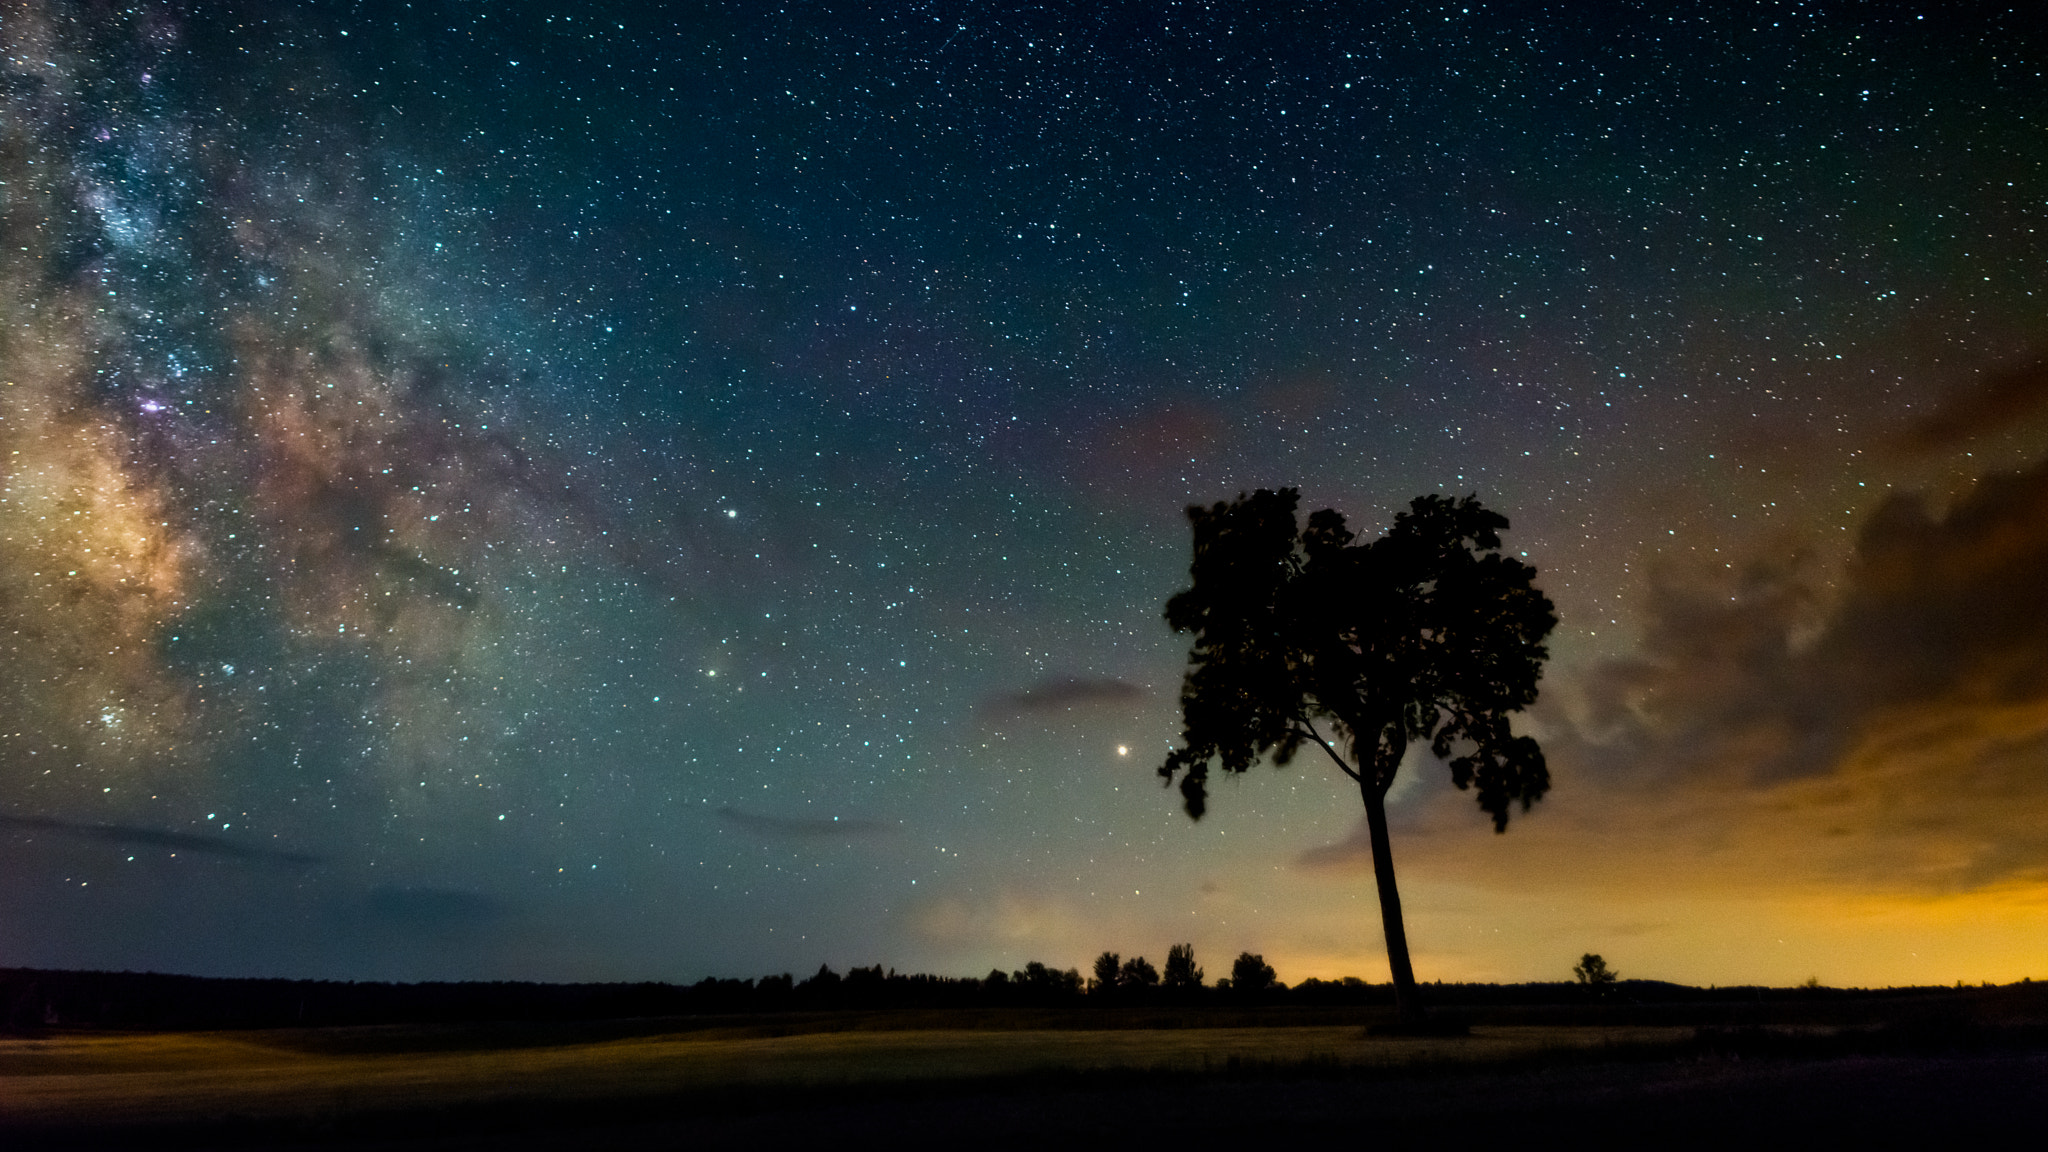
[158,1078]
[1000,1079]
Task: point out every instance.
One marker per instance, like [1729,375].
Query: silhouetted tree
[1137,973]
[863,987]
[1250,974]
[1360,648]
[1593,972]
[1044,982]
[823,987]
[1180,968]
[1107,966]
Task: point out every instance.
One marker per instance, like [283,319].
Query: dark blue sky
[498,491]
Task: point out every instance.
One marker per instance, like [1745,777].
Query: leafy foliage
[1426,633]
[1250,974]
[1181,971]
[1038,978]
[1593,972]
[1107,966]
[1138,972]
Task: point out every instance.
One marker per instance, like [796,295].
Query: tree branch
[1308,729]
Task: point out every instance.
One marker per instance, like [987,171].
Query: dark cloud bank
[2005,396]
[132,836]
[1932,611]
[1892,729]
[1066,693]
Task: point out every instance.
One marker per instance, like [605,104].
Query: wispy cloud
[130,834]
[2001,398]
[1068,692]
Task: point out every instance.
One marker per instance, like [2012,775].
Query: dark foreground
[1881,1101]
[866,1080]
[1877,1101]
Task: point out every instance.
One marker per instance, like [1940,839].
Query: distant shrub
[1041,982]
[1593,974]
[1251,975]
[1181,972]
[1107,967]
[1137,972]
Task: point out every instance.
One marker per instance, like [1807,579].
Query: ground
[1018,1079]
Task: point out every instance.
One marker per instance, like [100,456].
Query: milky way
[493,491]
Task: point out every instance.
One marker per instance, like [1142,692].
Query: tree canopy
[1250,974]
[1426,633]
[1361,647]
[1592,971]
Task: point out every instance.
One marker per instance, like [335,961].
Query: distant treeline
[38,998]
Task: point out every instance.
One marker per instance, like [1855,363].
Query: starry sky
[615,491]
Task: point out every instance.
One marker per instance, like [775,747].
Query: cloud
[1889,736]
[1066,693]
[2001,398]
[804,827]
[433,907]
[129,834]
[1932,613]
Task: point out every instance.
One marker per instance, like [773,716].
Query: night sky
[496,490]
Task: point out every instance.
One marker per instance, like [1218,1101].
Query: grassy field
[1001,1078]
[159,1078]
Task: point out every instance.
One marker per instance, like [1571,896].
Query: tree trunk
[1406,1001]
